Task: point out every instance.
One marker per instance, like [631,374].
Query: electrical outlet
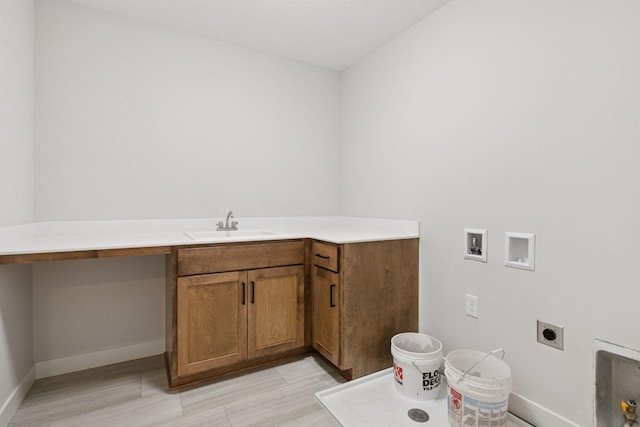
[472,306]
[551,335]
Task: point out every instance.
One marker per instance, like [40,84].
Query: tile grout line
[181,403]
[226,414]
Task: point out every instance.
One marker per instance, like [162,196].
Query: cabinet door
[212,321]
[326,318]
[276,310]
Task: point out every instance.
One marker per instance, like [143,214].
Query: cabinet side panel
[380,299]
[308,299]
[170,319]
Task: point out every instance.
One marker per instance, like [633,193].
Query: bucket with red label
[416,365]
[478,388]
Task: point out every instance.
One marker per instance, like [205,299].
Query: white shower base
[374,401]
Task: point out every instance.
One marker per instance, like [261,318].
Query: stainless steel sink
[225,235]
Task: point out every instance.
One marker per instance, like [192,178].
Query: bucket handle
[416,366]
[478,362]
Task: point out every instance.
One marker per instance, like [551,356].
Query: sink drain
[418,415]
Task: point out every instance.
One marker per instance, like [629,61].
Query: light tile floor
[135,394]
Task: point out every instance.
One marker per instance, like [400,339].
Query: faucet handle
[234,225]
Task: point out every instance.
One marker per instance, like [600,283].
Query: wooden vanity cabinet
[363,294]
[232,307]
[221,320]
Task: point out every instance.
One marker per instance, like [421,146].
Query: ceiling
[327,33]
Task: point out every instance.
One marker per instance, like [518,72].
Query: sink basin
[213,235]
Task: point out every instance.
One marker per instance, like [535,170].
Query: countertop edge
[42,238]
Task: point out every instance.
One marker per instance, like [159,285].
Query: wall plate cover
[475,244]
[471,307]
[519,250]
[551,335]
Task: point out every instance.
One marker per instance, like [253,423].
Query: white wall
[16,197]
[16,112]
[16,338]
[96,306]
[136,120]
[511,116]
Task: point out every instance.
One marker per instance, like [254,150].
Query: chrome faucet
[225,226]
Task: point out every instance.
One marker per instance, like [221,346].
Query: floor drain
[418,415]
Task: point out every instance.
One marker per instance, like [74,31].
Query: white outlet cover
[471,307]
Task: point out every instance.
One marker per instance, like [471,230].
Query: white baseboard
[535,414]
[11,405]
[64,365]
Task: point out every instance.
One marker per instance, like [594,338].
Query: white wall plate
[519,250]
[475,244]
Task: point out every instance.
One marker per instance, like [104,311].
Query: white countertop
[45,237]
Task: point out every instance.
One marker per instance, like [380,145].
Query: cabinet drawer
[325,255]
[231,257]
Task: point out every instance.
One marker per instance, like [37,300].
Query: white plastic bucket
[416,365]
[478,387]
